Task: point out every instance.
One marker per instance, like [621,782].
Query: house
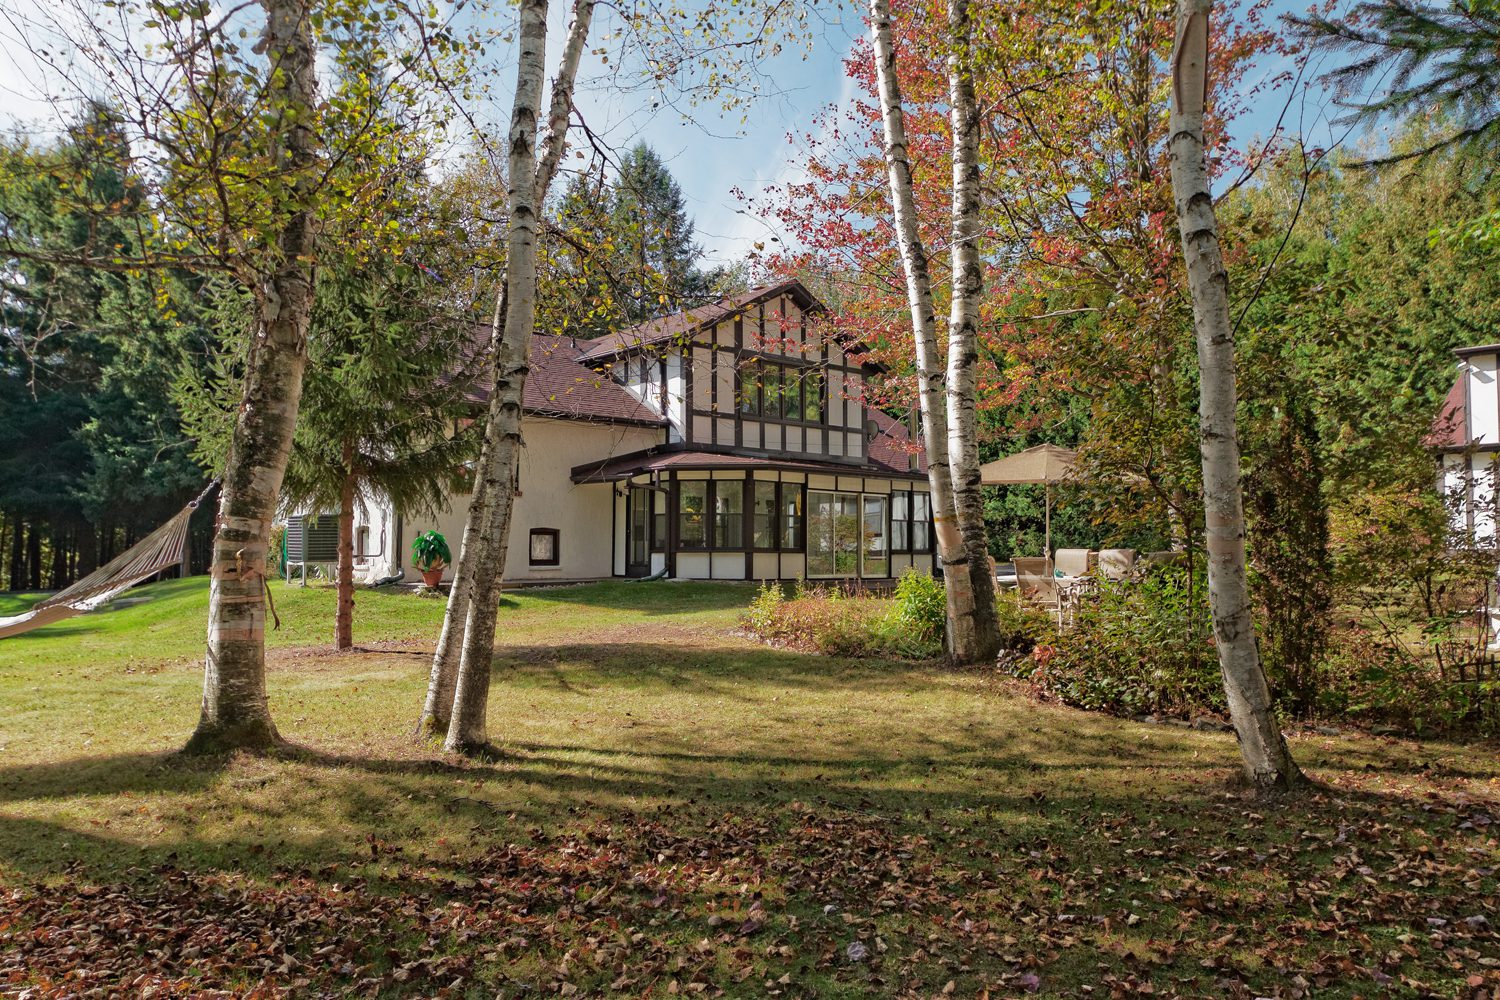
[730,442]
[1466,438]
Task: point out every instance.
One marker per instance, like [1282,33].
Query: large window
[911,521]
[776,391]
[921,522]
[791,517]
[711,514]
[658,520]
[692,514]
[729,515]
[763,516]
[846,534]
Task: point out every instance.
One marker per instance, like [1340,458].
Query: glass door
[846,535]
[637,532]
[875,552]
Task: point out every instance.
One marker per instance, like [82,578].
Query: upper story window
[776,391]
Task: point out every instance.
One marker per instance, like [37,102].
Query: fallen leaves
[1360,895]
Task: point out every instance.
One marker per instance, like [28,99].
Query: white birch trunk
[958,586]
[343,619]
[235,710]
[963,336]
[1267,763]
[479,545]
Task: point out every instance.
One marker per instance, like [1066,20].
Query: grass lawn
[681,811]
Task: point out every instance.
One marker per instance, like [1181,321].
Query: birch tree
[1268,764]
[967,278]
[972,632]
[481,566]
[238,147]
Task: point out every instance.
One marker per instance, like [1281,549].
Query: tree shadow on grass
[653,598]
[726,671]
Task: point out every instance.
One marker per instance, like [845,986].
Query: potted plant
[430,555]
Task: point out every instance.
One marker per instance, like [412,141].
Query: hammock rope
[152,554]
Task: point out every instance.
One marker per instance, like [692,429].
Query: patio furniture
[1043,465]
[1074,562]
[1116,564]
[1037,584]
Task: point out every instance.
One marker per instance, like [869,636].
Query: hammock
[152,554]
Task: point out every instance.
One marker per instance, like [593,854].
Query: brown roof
[893,446]
[1449,429]
[558,385]
[655,460]
[679,325]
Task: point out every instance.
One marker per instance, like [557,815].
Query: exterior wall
[1468,484]
[590,537]
[775,332]
[1484,398]
[1468,480]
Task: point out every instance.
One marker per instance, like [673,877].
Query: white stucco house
[730,442]
[1466,437]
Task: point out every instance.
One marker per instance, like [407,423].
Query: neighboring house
[1466,436]
[729,442]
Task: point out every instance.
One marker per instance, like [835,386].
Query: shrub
[921,607]
[1143,647]
[835,624]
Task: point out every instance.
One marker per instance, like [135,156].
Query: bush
[1134,648]
[831,623]
[921,607]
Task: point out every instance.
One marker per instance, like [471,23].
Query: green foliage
[429,551]
[1141,647]
[834,623]
[761,616]
[921,610]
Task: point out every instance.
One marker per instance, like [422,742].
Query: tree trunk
[34,557]
[235,711]
[17,568]
[495,496]
[473,601]
[437,711]
[343,619]
[963,335]
[1267,763]
[963,633]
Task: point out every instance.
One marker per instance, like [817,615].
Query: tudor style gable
[754,374]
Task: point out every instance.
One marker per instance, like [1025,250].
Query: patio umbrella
[1045,464]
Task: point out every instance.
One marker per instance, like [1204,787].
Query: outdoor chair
[1037,585]
[1117,564]
[1074,562]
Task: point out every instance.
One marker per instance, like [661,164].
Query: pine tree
[1443,58]
[384,414]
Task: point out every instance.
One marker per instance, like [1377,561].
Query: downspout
[400,573]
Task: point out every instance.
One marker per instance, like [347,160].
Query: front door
[638,532]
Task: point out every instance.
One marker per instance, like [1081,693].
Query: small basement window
[544,547]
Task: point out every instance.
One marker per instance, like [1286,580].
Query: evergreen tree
[92,453]
[1439,57]
[622,251]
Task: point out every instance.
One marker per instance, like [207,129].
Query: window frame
[552,533]
[750,396]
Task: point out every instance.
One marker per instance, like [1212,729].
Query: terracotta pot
[432,577]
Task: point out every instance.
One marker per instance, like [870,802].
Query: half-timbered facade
[1466,437]
[729,442]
